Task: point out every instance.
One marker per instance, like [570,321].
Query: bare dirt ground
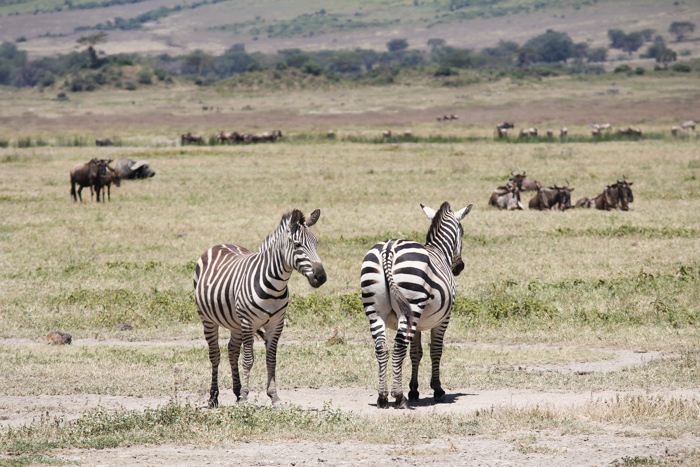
[517,448]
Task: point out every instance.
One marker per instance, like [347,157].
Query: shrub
[639,70]
[144,76]
[312,68]
[130,86]
[445,70]
[160,73]
[623,69]
[681,68]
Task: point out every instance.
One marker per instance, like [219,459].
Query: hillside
[49,27]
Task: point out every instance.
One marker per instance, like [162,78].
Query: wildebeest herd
[233,137]
[99,176]
[597,130]
[558,197]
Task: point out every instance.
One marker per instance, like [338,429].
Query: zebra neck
[441,248]
[276,266]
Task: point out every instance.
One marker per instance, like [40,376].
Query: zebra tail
[394,291]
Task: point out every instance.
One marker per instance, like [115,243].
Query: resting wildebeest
[614,196]
[88,175]
[523,185]
[556,197]
[191,138]
[585,202]
[110,176]
[506,197]
[103,142]
[130,169]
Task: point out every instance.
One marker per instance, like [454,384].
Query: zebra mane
[437,220]
[284,223]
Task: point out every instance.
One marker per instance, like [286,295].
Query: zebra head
[446,232]
[302,246]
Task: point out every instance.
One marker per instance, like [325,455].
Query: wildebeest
[103,142]
[563,132]
[550,133]
[675,130]
[407,133]
[502,129]
[88,175]
[556,197]
[506,125]
[616,195]
[688,124]
[506,197]
[528,132]
[224,136]
[629,131]
[330,134]
[386,134]
[585,202]
[110,176]
[130,170]
[599,126]
[522,183]
[188,138]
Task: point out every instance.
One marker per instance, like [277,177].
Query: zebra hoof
[213,403]
[401,402]
[383,402]
[439,395]
[413,395]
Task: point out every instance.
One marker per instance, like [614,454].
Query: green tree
[552,46]
[526,56]
[436,43]
[632,42]
[647,34]
[580,50]
[599,54]
[666,56]
[681,29]
[617,37]
[396,45]
[91,41]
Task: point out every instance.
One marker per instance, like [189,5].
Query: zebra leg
[436,338]
[234,351]
[248,357]
[398,355]
[211,334]
[271,338]
[416,355]
[381,349]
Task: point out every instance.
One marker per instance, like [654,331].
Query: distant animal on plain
[103,142]
[130,169]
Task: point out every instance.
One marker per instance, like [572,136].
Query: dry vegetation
[540,290]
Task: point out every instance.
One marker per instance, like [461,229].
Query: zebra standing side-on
[410,287]
[246,292]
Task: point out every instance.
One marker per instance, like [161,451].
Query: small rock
[59,338]
[124,327]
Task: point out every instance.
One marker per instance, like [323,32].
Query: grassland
[541,294]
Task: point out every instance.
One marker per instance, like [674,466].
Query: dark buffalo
[615,196]
[130,170]
[103,142]
[88,175]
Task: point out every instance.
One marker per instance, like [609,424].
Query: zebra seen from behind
[247,292]
[411,288]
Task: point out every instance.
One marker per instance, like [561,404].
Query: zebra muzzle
[318,275]
[458,267]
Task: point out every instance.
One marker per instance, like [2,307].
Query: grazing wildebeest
[585,202]
[614,196]
[629,131]
[89,175]
[103,142]
[557,197]
[330,134]
[502,129]
[188,138]
[130,170]
[506,197]
[110,176]
[407,133]
[550,133]
[386,133]
[688,124]
[224,136]
[502,132]
[506,125]
[675,130]
[528,132]
[522,183]
[563,132]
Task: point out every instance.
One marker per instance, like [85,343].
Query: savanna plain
[573,341]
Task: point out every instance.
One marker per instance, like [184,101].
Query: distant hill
[49,27]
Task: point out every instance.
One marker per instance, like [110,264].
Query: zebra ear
[430,212]
[313,218]
[462,213]
[297,216]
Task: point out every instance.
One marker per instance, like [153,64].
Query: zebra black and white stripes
[246,292]
[411,288]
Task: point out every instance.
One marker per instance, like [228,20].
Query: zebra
[411,287]
[247,292]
